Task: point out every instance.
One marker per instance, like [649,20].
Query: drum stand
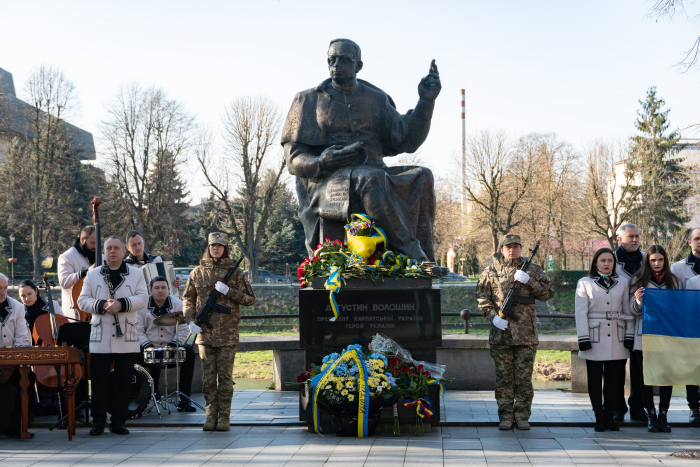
[177,394]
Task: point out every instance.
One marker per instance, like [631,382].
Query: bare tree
[148,137]
[42,173]
[498,176]
[671,9]
[245,180]
[609,183]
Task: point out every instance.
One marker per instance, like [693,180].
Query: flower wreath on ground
[365,256]
[358,383]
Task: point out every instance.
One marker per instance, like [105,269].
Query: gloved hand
[221,288]
[194,329]
[500,323]
[585,345]
[629,342]
[522,276]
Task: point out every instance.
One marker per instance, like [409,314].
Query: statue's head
[344,60]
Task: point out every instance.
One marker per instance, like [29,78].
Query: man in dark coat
[335,138]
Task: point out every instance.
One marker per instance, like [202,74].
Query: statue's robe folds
[401,199]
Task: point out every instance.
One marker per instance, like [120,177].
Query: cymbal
[170,319]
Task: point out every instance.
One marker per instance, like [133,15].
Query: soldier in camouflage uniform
[217,346]
[513,343]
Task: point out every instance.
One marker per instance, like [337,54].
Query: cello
[45,333]
[78,286]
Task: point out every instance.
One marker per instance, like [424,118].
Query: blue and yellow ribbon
[442,386]
[378,232]
[423,406]
[333,284]
[363,396]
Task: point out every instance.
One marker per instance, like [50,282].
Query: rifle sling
[525,300]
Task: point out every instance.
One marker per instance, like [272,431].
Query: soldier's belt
[525,300]
[609,315]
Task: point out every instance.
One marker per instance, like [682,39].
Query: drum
[141,391]
[164,355]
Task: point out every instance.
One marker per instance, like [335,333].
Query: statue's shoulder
[372,89]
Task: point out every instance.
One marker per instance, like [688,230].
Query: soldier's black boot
[695,417]
[599,421]
[663,421]
[652,421]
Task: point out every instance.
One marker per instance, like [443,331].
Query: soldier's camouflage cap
[510,238]
[218,237]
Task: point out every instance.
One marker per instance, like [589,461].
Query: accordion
[165,269]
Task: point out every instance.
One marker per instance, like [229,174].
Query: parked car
[183,274]
[266,276]
[451,277]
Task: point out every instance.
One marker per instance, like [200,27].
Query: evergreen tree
[661,185]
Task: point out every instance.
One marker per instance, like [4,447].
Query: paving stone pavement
[294,446]
[464,408]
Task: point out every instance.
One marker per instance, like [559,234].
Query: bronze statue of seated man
[335,139]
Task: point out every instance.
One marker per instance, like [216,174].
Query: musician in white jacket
[603,324]
[73,265]
[113,294]
[153,336]
[14,332]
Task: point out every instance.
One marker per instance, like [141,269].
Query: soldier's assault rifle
[211,306]
[513,296]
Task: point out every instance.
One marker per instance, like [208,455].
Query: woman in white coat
[603,323]
[655,273]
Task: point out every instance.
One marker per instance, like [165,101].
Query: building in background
[16,121]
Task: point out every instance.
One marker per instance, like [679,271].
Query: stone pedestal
[406,309]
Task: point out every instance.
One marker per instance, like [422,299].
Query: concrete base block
[471,369]
[286,366]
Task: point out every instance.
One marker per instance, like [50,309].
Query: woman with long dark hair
[655,273]
[34,304]
[603,321]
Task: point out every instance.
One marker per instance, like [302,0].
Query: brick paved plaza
[265,432]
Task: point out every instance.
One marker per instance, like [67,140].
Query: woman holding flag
[654,273]
[605,332]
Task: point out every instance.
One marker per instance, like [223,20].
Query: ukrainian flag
[671,337]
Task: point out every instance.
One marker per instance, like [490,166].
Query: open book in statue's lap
[335,138]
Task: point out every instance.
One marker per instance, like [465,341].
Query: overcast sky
[573,68]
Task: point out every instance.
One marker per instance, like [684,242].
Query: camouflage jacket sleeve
[240,290]
[539,284]
[484,295]
[189,297]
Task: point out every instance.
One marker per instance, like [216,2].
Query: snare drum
[165,355]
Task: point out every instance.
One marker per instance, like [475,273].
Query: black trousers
[186,372]
[111,392]
[692,394]
[11,407]
[648,391]
[635,400]
[599,371]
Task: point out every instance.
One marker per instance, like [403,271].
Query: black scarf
[631,262]
[131,259]
[116,277]
[4,310]
[694,261]
[34,311]
[90,255]
[159,310]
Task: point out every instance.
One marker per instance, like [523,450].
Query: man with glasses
[335,139]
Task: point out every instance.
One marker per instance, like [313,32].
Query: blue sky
[573,68]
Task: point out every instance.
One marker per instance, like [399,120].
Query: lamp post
[13,260]
[462,260]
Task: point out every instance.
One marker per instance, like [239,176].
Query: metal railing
[465,314]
